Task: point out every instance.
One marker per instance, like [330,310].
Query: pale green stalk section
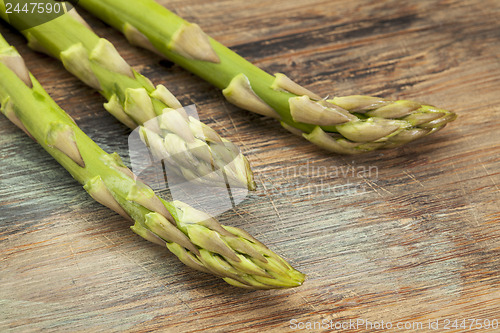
[197,239]
[191,148]
[347,125]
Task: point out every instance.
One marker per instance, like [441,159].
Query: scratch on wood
[490,177]
[272,201]
[74,257]
[413,178]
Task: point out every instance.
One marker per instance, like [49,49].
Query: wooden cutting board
[405,236]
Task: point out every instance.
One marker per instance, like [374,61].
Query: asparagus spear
[197,239]
[345,125]
[189,146]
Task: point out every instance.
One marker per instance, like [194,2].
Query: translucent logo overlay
[199,172]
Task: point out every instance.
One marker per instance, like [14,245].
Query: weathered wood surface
[414,239]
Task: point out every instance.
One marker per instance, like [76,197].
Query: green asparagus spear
[197,239]
[345,125]
[189,146]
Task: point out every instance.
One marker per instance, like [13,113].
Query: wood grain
[405,235]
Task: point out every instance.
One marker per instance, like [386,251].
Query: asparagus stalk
[345,125]
[188,146]
[197,239]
